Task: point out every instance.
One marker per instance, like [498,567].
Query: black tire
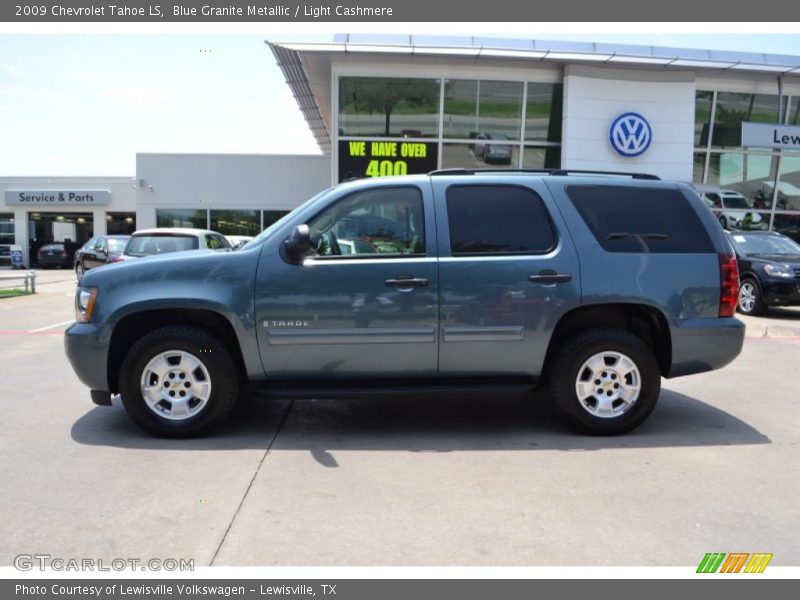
[222,374]
[569,360]
[79,271]
[758,306]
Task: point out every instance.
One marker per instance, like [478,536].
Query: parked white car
[731,208]
[147,242]
[237,241]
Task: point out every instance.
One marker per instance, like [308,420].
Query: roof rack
[555,172]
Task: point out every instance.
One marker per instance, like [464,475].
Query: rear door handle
[549,276]
[406,282]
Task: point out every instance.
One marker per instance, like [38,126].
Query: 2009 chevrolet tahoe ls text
[597,284]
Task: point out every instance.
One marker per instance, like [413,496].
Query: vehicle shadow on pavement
[777,313]
[424,425]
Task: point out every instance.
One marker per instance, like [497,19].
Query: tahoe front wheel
[178,382]
[605,381]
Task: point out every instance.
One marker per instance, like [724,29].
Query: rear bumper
[700,345]
[86,346]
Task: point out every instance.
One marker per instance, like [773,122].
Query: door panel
[365,305]
[500,304]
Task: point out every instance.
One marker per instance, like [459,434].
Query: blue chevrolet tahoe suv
[596,284]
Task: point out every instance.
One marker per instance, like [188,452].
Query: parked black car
[99,251]
[769,270]
[53,255]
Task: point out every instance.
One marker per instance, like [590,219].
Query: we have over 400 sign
[370,158]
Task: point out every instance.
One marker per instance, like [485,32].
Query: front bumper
[780,292]
[700,345]
[86,345]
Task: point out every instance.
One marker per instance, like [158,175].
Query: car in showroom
[733,210]
[165,240]
[769,270]
[53,256]
[460,281]
[99,251]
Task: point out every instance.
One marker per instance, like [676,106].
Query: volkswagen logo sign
[630,134]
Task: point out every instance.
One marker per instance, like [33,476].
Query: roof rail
[555,172]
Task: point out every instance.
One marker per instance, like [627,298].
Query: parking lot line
[53,326]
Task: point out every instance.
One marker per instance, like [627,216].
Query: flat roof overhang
[306,65]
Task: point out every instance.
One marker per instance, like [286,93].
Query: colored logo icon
[630,134]
[736,562]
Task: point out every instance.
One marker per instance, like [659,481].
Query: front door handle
[549,276]
[406,282]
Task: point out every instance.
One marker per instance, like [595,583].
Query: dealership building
[728,122]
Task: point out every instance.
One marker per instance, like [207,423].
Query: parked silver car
[162,240]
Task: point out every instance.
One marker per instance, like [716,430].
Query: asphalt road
[493,482]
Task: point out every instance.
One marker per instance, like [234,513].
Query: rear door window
[640,219]
[498,219]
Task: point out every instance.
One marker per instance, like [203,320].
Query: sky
[84,104]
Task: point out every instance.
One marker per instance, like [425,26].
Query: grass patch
[11,292]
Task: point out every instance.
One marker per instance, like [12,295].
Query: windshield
[735,202]
[279,223]
[765,244]
[146,245]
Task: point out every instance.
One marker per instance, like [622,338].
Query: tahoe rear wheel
[178,382]
[605,381]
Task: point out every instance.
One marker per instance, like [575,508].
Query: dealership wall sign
[765,135]
[371,158]
[630,135]
[57,197]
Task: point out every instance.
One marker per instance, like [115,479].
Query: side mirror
[297,244]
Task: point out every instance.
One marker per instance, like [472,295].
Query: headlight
[84,304]
[779,271]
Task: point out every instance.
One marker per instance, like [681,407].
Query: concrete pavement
[491,482]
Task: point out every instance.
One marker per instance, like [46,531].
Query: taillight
[729,285]
[64,254]
[115,259]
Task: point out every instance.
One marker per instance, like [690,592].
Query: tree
[382,95]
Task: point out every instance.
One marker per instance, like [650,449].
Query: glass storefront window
[699,167]
[543,110]
[789,183]
[481,154]
[197,219]
[702,117]
[788,225]
[474,108]
[236,222]
[733,108]
[735,212]
[749,175]
[794,112]
[543,157]
[389,106]
[272,216]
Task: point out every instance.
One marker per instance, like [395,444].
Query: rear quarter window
[640,219]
